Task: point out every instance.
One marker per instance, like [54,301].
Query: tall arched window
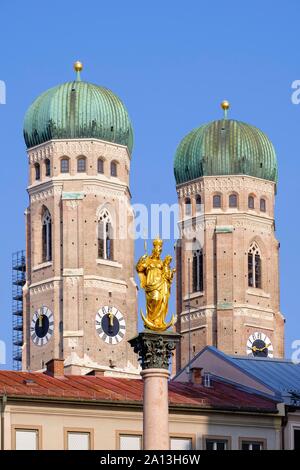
[113,169]
[46,236]
[81,165]
[217,201]
[105,235]
[198,270]
[198,203]
[47,167]
[263,205]
[251,202]
[233,200]
[37,171]
[254,266]
[187,206]
[65,165]
[100,165]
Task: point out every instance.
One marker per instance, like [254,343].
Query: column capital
[155,348]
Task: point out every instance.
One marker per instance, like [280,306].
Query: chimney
[55,367]
[196,375]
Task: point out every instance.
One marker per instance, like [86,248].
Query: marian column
[154,346]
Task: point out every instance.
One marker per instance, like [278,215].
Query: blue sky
[171,62]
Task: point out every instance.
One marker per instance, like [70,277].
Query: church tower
[227,255]
[80,296]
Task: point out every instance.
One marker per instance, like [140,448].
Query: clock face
[259,345]
[110,324]
[41,328]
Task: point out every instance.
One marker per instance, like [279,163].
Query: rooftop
[281,376]
[100,389]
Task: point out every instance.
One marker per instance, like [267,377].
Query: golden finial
[78,66]
[225,105]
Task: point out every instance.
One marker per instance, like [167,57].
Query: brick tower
[80,296]
[227,258]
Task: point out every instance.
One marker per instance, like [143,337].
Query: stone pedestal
[154,351]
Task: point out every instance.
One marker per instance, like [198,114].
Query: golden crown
[157,242]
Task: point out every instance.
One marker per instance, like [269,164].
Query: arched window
[251,202]
[262,205]
[81,165]
[254,266]
[233,200]
[198,203]
[47,167]
[216,201]
[187,206]
[100,165]
[113,169]
[46,236]
[64,165]
[198,270]
[105,236]
[37,171]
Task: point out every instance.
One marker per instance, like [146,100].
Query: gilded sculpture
[156,277]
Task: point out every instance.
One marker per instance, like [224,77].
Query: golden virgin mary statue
[156,278]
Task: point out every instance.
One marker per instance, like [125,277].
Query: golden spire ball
[225,105]
[78,66]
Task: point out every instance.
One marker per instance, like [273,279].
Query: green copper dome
[225,147]
[77,110]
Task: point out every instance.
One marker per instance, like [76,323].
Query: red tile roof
[119,390]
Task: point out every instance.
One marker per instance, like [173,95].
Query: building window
[37,171]
[64,165]
[216,444]
[251,202]
[105,236]
[217,201]
[233,200]
[78,440]
[198,203]
[263,205]
[130,442]
[47,167]
[252,445]
[181,443]
[187,206]
[254,266]
[197,270]
[27,439]
[296,439]
[81,165]
[113,169]
[100,165]
[46,236]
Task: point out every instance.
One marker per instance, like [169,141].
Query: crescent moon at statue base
[151,326]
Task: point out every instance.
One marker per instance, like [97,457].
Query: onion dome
[77,110]
[225,147]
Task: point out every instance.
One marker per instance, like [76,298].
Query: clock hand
[41,320]
[111,319]
[266,346]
